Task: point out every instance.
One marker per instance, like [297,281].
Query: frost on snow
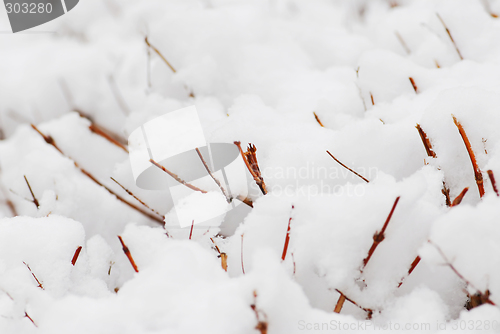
[404,93]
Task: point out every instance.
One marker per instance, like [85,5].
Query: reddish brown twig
[128,254]
[34,276]
[242,266]
[77,254]
[317,119]
[371,97]
[212,175]
[446,193]
[215,245]
[451,38]
[378,237]
[250,159]
[478,298]
[367,310]
[223,261]
[413,84]
[261,324]
[159,54]
[101,132]
[493,182]
[287,238]
[35,201]
[176,177]
[137,198]
[191,232]
[349,169]
[340,303]
[459,198]
[412,267]
[487,7]
[426,141]
[27,316]
[477,172]
[49,140]
[437,64]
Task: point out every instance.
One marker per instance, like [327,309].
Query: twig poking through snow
[287,238]
[212,175]
[242,266]
[459,198]
[402,41]
[35,201]
[250,159]
[317,119]
[378,237]
[176,177]
[415,88]
[367,310]
[261,325]
[128,254]
[477,172]
[137,198]
[493,182]
[349,169]
[426,142]
[159,54]
[27,316]
[34,276]
[223,261]
[412,267]
[49,140]
[75,257]
[451,38]
[191,232]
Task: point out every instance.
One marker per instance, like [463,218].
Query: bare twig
[191,232]
[487,7]
[349,169]
[287,238]
[215,245]
[340,303]
[459,198]
[27,316]
[223,261]
[477,172]
[261,324]
[212,175]
[250,159]
[137,198]
[77,253]
[242,266]
[128,254]
[367,310]
[426,142]
[451,38]
[371,97]
[49,140]
[493,182]
[378,237]
[402,41]
[176,177]
[35,201]
[34,276]
[413,84]
[317,119]
[159,54]
[412,267]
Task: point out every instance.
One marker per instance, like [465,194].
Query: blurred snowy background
[257,72]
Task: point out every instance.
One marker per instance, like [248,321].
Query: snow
[256,70]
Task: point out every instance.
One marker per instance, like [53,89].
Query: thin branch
[459,198]
[261,324]
[349,169]
[27,316]
[215,245]
[159,54]
[223,259]
[378,237]
[477,172]
[34,276]
[191,232]
[412,267]
[100,132]
[402,41]
[242,266]
[77,253]
[137,198]
[35,201]
[426,142]
[415,88]
[49,140]
[176,177]
[318,120]
[250,159]
[212,175]
[287,238]
[451,38]
[340,303]
[367,310]
[371,97]
[493,182]
[128,254]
